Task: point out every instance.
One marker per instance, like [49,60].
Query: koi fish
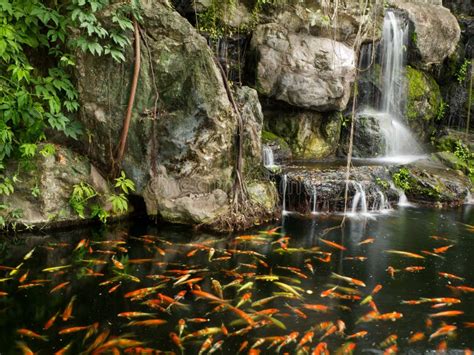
[360,334]
[147,323]
[316,307]
[404,253]
[31,334]
[117,264]
[348,279]
[142,292]
[176,340]
[332,244]
[442,249]
[418,336]
[56,268]
[24,348]
[73,330]
[463,288]
[135,314]
[447,329]
[51,321]
[432,254]
[60,286]
[447,300]
[446,314]
[328,292]
[68,310]
[414,268]
[391,271]
[390,316]
[450,276]
[307,338]
[391,339]
[366,241]
[206,295]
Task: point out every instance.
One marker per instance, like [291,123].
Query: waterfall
[403,200]
[399,141]
[315,196]
[268,159]
[284,183]
[359,199]
[469,200]
[381,204]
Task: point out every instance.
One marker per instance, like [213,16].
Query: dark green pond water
[180,263]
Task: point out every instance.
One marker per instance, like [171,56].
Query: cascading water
[284,183]
[268,158]
[315,198]
[400,144]
[359,199]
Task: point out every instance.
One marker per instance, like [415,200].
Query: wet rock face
[182,157]
[302,70]
[53,178]
[436,30]
[431,183]
[329,185]
[368,140]
[308,134]
[423,101]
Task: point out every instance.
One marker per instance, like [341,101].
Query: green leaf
[28,150]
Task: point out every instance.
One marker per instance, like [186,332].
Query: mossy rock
[424,101]
[431,183]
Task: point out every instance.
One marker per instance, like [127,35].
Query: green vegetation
[382,183]
[87,202]
[38,43]
[423,88]
[402,179]
[463,70]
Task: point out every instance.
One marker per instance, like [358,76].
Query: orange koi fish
[307,338]
[206,295]
[450,276]
[73,330]
[348,279]
[328,292]
[442,249]
[390,316]
[321,349]
[68,311]
[404,253]
[206,345]
[51,321]
[414,268]
[31,334]
[447,329]
[332,244]
[60,286]
[376,289]
[366,241]
[418,336]
[360,334]
[463,288]
[316,307]
[446,314]
[147,322]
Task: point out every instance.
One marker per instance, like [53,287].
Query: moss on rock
[423,101]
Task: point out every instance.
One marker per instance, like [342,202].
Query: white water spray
[315,198]
[399,141]
[284,183]
[359,199]
[268,158]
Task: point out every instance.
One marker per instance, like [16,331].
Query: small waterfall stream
[359,199]
[389,109]
[284,183]
[315,199]
[268,158]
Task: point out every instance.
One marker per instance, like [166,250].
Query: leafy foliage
[463,71]
[37,42]
[87,202]
[401,179]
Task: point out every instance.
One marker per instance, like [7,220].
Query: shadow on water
[155,256]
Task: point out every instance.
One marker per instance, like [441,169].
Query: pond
[404,282]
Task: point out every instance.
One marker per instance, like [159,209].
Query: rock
[184,155]
[368,140]
[264,194]
[309,134]
[41,196]
[451,161]
[302,70]
[280,148]
[436,30]
[424,102]
[431,183]
[252,116]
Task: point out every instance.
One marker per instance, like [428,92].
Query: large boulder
[368,140]
[41,195]
[308,134]
[181,143]
[302,70]
[436,30]
[424,101]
